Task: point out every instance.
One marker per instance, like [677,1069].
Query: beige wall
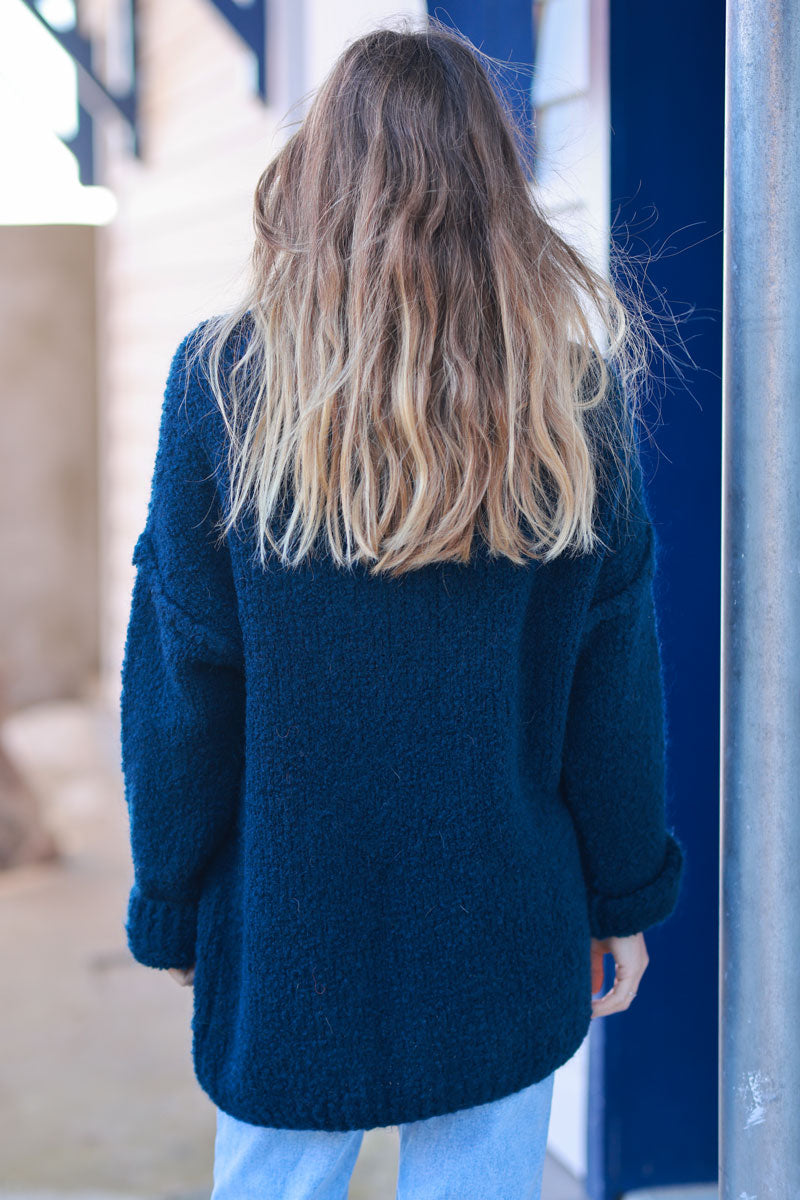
[169,258]
[177,249]
[48,463]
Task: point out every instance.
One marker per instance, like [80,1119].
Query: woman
[392,711]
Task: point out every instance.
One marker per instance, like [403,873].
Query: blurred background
[132,135]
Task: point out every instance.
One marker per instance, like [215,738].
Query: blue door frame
[504,30]
[653,1068]
[656,1064]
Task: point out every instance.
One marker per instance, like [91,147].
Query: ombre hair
[420,366]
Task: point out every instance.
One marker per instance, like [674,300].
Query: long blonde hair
[420,362]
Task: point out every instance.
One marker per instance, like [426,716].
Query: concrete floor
[97,1094]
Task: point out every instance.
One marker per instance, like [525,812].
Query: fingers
[630,960]
[183,975]
[597,966]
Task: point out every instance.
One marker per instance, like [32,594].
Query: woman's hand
[631,959]
[184,975]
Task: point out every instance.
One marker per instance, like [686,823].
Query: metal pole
[759,1036]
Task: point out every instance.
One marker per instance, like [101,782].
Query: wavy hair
[420,366]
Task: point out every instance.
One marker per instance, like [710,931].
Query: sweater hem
[359,1114]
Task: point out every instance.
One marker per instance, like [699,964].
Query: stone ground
[98,1099]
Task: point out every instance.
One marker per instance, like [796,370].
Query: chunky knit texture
[384,816]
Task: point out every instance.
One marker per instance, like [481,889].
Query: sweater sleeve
[183,690]
[613,766]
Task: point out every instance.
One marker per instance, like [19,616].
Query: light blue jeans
[493,1151]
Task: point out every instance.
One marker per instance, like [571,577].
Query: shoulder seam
[214,647]
[625,598]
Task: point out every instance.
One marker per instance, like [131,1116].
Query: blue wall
[504,30]
[656,1064]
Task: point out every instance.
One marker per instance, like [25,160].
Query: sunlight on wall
[38,105]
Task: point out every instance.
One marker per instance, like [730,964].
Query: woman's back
[383,815]
[392,711]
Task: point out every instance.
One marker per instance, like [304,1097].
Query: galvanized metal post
[759,1042]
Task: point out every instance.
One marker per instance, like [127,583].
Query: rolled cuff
[623,916]
[161,933]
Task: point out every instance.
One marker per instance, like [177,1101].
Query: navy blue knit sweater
[384,816]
